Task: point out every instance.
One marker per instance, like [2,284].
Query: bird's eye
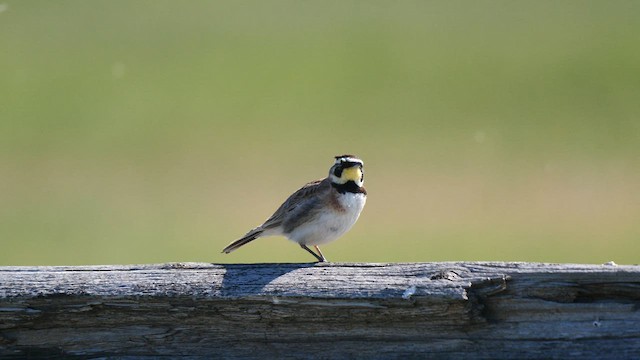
[337,171]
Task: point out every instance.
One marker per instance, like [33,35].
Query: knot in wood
[450,275]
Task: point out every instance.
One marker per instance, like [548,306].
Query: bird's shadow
[241,280]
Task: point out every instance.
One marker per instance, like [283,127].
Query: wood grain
[323,311]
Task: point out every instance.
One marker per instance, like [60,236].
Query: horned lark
[320,212]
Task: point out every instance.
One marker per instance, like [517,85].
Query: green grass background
[155,131]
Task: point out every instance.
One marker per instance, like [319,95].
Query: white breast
[331,225]
[352,202]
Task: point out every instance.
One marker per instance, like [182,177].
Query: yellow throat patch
[353,173]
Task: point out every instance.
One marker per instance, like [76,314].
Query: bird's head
[347,168]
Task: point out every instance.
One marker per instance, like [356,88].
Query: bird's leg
[324,259]
[319,257]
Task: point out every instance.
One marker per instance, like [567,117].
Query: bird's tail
[249,237]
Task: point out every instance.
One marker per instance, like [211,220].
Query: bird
[319,212]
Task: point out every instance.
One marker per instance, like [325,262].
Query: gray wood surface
[324,311]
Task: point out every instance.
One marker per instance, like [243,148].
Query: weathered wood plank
[424,310]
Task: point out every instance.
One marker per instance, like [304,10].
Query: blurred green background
[157,131]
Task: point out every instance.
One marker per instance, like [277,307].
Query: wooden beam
[326,310]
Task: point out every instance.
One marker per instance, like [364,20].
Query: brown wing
[293,202]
